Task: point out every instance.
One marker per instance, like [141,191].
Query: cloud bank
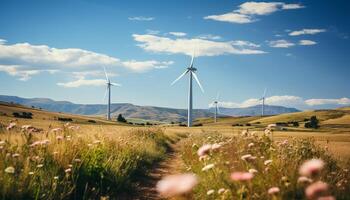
[23,60]
[247,12]
[202,47]
[286,100]
[307,32]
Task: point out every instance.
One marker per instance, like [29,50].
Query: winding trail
[172,164]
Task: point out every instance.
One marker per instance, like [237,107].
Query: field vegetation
[67,163]
[253,166]
[91,158]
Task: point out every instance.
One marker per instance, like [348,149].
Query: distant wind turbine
[216,102]
[108,90]
[263,103]
[191,71]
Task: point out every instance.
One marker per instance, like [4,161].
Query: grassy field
[91,158]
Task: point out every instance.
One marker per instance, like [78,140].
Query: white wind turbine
[108,90]
[216,112]
[263,103]
[191,71]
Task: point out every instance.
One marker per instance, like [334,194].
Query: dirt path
[172,164]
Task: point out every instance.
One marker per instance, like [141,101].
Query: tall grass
[70,164]
[274,164]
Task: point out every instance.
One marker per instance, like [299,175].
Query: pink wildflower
[246,157]
[273,190]
[267,162]
[303,179]
[316,190]
[311,167]
[241,176]
[55,130]
[11,126]
[204,150]
[215,146]
[207,167]
[326,198]
[176,184]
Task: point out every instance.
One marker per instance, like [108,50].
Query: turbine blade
[116,84]
[178,78]
[219,109]
[104,97]
[264,92]
[195,77]
[217,96]
[192,59]
[104,69]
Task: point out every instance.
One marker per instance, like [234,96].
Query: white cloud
[141,18]
[187,46]
[232,18]
[24,60]
[246,11]
[141,66]
[83,82]
[13,70]
[209,37]
[280,44]
[306,32]
[178,34]
[292,6]
[278,35]
[152,32]
[307,42]
[317,102]
[243,43]
[285,100]
[39,56]
[259,8]
[2,41]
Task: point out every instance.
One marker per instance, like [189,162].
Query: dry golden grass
[128,142]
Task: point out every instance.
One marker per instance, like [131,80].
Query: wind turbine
[108,90]
[192,73]
[263,103]
[215,102]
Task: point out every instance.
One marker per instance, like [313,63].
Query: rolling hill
[256,110]
[329,119]
[140,112]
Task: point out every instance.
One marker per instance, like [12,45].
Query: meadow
[44,158]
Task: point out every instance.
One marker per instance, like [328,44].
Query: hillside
[41,118]
[329,119]
[256,110]
[140,112]
[126,109]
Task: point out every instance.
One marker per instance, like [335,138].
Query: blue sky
[299,50]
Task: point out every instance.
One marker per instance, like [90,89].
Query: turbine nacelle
[192,69]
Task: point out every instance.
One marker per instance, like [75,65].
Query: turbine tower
[263,103]
[108,90]
[192,74]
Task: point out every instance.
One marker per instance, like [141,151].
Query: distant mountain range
[141,112]
[256,110]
